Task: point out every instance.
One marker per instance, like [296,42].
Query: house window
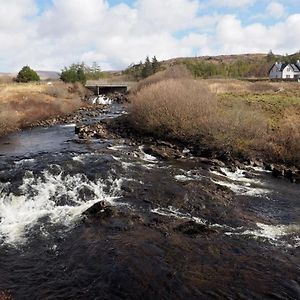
[288,76]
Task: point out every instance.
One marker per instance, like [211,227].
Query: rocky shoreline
[166,150]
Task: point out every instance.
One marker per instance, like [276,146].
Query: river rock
[192,228]
[100,210]
[98,131]
[162,152]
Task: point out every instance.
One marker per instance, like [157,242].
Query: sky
[51,34]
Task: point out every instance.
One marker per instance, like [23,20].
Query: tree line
[143,69]
[74,73]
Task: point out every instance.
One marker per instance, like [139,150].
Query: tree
[155,65]
[147,69]
[74,73]
[27,75]
[94,72]
[270,56]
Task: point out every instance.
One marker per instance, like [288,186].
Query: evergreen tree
[270,56]
[27,75]
[74,73]
[155,65]
[147,69]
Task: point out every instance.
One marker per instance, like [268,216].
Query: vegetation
[93,72]
[27,75]
[143,70]
[81,73]
[241,67]
[74,73]
[24,104]
[247,120]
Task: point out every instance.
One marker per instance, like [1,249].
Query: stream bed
[180,228]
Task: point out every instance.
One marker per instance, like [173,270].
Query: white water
[173,212]
[40,198]
[239,183]
[275,234]
[101,100]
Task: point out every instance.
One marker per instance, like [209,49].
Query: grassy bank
[246,120]
[24,104]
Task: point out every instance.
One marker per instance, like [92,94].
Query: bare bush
[286,139]
[172,106]
[188,111]
[9,120]
[174,72]
[57,91]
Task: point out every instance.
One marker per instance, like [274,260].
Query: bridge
[105,87]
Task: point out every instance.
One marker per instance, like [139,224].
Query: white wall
[288,72]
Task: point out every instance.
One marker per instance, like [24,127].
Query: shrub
[186,110]
[174,72]
[27,75]
[74,73]
[57,90]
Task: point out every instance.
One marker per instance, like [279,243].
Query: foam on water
[174,212]
[24,161]
[68,125]
[101,100]
[275,234]
[147,157]
[243,189]
[239,183]
[56,197]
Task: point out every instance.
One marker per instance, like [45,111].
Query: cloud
[232,3]
[70,31]
[276,10]
[232,37]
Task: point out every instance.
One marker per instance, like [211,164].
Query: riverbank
[232,121]
[26,105]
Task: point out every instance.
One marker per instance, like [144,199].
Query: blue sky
[49,34]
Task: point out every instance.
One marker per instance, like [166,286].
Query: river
[246,246]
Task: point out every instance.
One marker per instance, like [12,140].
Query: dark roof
[282,66]
[295,67]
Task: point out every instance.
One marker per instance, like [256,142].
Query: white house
[285,71]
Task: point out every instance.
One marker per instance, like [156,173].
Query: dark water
[49,251]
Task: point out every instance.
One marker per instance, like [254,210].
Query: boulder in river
[100,210]
[193,228]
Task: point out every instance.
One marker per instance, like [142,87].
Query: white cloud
[232,37]
[276,10]
[232,3]
[115,36]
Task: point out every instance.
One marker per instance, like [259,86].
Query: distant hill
[221,66]
[48,75]
[44,75]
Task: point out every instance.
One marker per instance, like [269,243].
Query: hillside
[221,66]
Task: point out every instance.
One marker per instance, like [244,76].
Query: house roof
[295,67]
[282,66]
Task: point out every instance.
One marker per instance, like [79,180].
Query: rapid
[180,229]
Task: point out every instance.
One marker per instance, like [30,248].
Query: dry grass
[173,72]
[23,104]
[188,110]
[6,79]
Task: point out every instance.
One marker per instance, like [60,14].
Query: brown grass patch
[24,104]
[173,72]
